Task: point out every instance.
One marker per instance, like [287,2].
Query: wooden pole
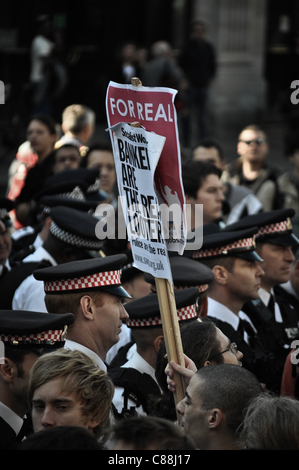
[171,332]
[168,310]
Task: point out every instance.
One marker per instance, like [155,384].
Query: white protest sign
[136,155]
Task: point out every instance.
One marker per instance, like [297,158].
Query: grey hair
[272,423]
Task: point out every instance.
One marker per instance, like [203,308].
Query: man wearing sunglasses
[251,169]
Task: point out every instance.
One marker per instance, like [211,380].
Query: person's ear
[93,423]
[87,307]
[48,222]
[157,342]
[204,308]
[7,370]
[207,363]
[220,275]
[215,418]
[68,255]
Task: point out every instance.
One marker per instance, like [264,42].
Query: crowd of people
[83,363]
[81,326]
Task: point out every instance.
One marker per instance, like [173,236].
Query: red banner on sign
[154,109]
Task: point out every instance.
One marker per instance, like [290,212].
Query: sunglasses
[258,141]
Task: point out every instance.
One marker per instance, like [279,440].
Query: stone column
[237,29]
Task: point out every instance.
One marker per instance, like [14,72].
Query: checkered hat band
[238,245]
[74,240]
[273,228]
[51,335]
[186,313]
[108,278]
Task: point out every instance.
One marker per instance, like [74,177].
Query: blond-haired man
[67,388]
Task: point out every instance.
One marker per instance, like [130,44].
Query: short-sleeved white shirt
[40,47]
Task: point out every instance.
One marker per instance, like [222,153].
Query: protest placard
[143,157]
[136,155]
[154,109]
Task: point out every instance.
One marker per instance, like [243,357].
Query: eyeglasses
[233,348]
[258,141]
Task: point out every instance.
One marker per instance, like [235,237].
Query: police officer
[237,279]
[133,282]
[289,291]
[90,289]
[186,273]
[23,337]
[275,320]
[88,176]
[34,236]
[71,237]
[135,381]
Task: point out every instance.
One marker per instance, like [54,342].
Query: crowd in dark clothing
[84,363]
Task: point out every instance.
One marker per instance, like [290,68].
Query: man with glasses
[251,169]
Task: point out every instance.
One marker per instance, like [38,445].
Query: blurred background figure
[288,182]
[252,169]
[67,156]
[41,135]
[78,122]
[41,50]
[239,200]
[100,156]
[161,69]
[198,62]
[125,64]
[48,75]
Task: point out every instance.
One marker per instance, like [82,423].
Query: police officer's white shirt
[138,363]
[124,338]
[74,346]
[265,297]
[11,418]
[38,241]
[30,294]
[223,313]
[39,255]
[24,232]
[7,265]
